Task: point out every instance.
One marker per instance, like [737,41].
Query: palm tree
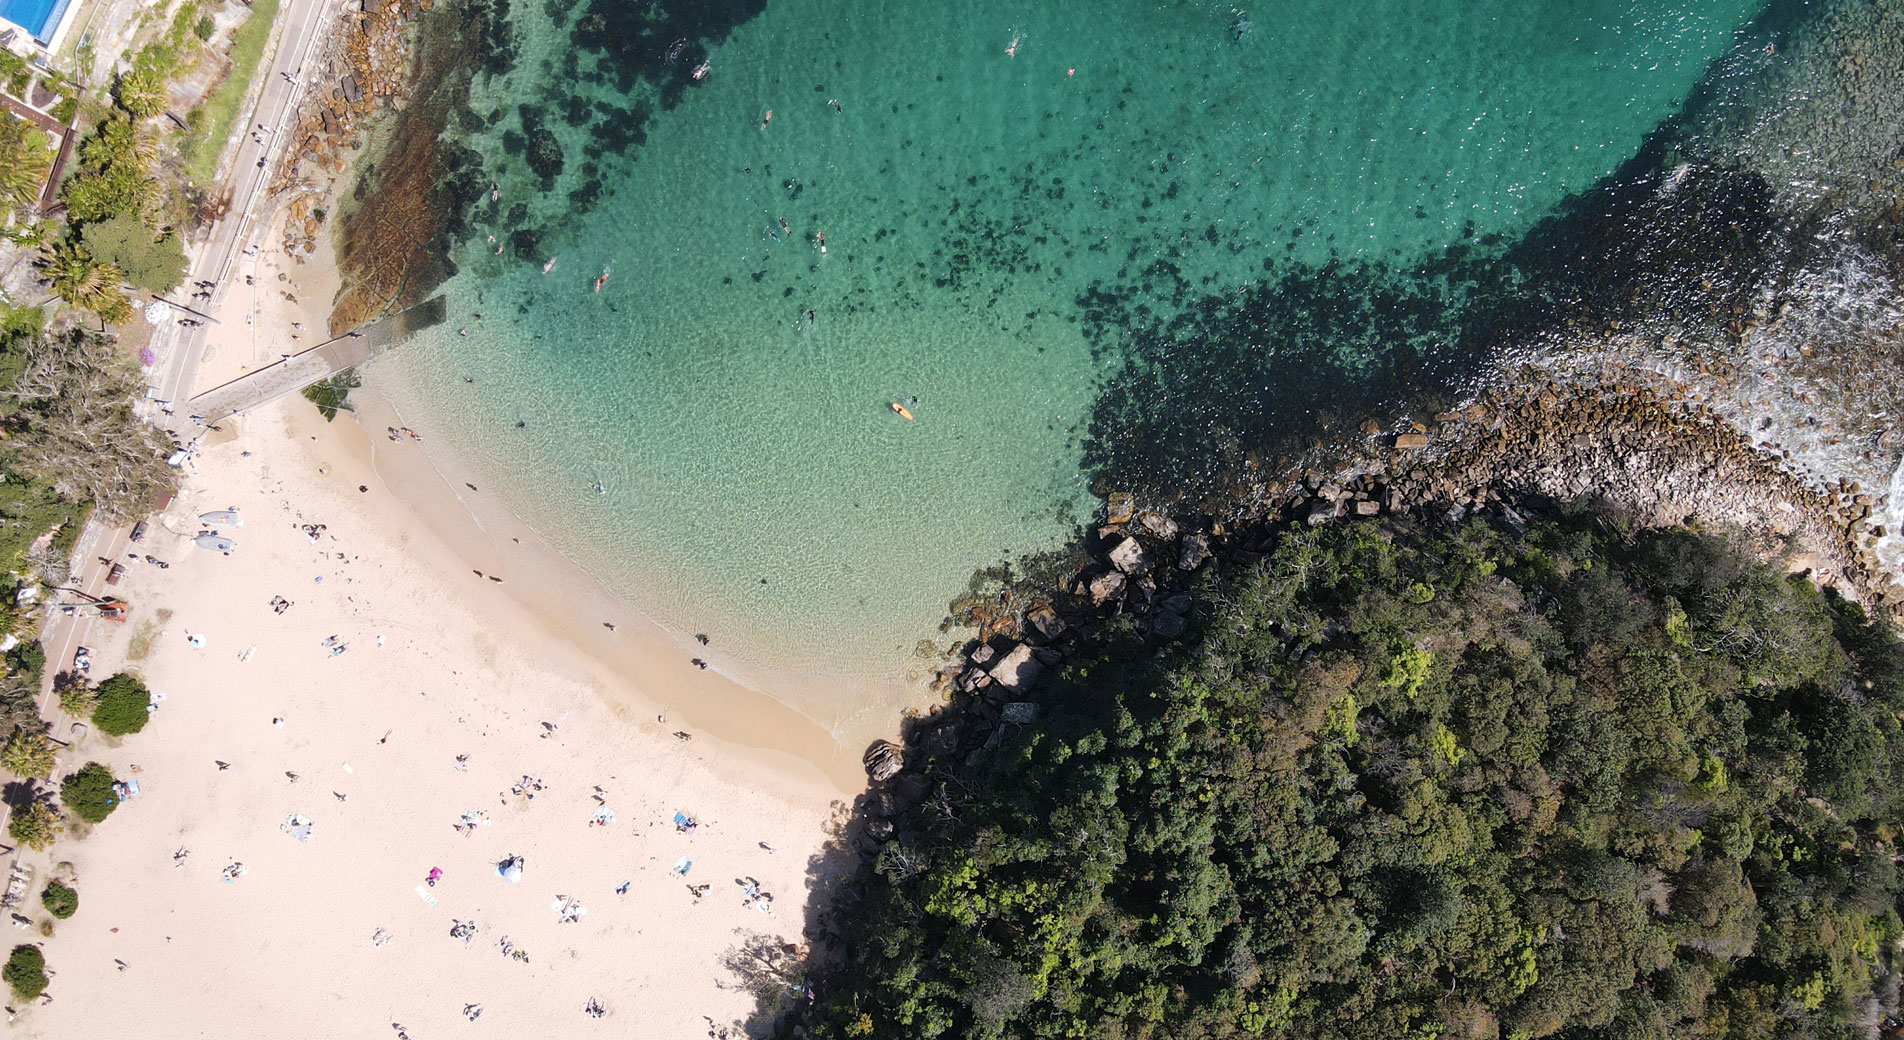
[25,156]
[83,281]
[141,91]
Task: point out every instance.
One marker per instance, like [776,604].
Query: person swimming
[603,280]
[821,236]
[598,487]
[766,118]
[547,266]
[701,70]
[1011,51]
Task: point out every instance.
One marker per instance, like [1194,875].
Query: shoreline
[431,673]
[483,535]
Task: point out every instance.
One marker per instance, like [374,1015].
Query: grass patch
[200,149]
[148,633]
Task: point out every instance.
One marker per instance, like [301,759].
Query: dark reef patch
[1202,402]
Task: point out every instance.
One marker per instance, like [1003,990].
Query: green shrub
[120,704]
[26,971]
[88,793]
[204,27]
[60,900]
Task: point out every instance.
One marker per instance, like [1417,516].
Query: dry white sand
[438,665]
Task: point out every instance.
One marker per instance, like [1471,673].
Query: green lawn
[200,148]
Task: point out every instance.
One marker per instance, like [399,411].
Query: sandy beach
[447,698]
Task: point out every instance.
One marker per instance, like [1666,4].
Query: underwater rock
[545,154]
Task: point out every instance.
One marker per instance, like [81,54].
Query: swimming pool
[39,17]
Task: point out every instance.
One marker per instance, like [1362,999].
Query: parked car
[118,571]
[138,531]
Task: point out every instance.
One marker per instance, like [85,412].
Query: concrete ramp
[314,365]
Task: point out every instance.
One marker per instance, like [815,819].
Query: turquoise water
[757,483]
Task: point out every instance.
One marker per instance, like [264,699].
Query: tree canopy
[60,899]
[88,793]
[119,705]
[25,971]
[34,824]
[1415,784]
[75,427]
[147,260]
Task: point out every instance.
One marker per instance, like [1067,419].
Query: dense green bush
[26,971]
[88,793]
[61,900]
[119,705]
[1590,787]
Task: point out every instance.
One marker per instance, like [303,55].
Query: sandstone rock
[1130,558]
[1159,525]
[1367,508]
[1196,551]
[1045,621]
[1118,508]
[983,655]
[1017,670]
[1107,586]
[1411,441]
[1168,625]
[1321,512]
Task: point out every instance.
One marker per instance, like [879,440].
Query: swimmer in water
[701,70]
[822,237]
[1012,50]
[495,192]
[547,266]
[603,280]
[597,487]
[766,118]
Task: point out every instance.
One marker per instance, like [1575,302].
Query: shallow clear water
[758,484]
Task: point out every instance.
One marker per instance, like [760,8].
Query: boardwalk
[314,365]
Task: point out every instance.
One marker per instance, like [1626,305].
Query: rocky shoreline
[1651,459]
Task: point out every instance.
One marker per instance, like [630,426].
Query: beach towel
[423,893]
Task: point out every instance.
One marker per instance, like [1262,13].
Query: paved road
[306,24]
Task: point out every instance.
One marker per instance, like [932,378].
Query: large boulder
[1017,670]
[1159,525]
[1107,587]
[1167,624]
[884,760]
[1129,557]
